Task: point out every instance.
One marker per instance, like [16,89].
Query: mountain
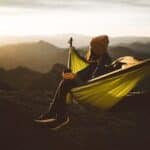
[39,56]
[128,50]
[126,40]
[60,40]
[48,80]
[140,47]
[18,78]
[22,78]
[4,85]
[120,51]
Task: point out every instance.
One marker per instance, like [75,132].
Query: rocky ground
[125,127]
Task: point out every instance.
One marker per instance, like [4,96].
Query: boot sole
[45,121]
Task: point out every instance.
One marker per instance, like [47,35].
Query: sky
[88,17]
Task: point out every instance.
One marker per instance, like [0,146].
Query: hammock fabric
[77,63]
[107,90]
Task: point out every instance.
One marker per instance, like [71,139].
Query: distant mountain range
[60,40]
[41,55]
[18,78]
[24,78]
[138,50]
[38,56]
[125,41]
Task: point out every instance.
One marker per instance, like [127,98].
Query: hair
[102,40]
[98,48]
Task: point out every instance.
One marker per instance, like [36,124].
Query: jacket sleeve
[85,74]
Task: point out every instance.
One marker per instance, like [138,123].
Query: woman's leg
[58,105]
[58,109]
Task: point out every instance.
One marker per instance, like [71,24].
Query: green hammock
[106,90]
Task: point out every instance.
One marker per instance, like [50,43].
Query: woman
[99,63]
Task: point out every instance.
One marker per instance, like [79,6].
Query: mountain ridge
[41,56]
[60,40]
[38,56]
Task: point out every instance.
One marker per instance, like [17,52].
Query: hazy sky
[90,17]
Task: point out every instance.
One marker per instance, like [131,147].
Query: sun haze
[114,17]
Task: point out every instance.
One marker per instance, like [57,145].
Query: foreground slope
[123,127]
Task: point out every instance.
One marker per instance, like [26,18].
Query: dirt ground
[125,127]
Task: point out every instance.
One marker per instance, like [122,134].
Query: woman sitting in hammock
[99,63]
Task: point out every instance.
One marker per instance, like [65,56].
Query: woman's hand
[68,75]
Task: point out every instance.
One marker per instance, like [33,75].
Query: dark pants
[59,101]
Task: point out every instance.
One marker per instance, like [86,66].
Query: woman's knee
[68,84]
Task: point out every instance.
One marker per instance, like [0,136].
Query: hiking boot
[46,118]
[59,123]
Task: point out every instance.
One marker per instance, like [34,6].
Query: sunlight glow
[22,22]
